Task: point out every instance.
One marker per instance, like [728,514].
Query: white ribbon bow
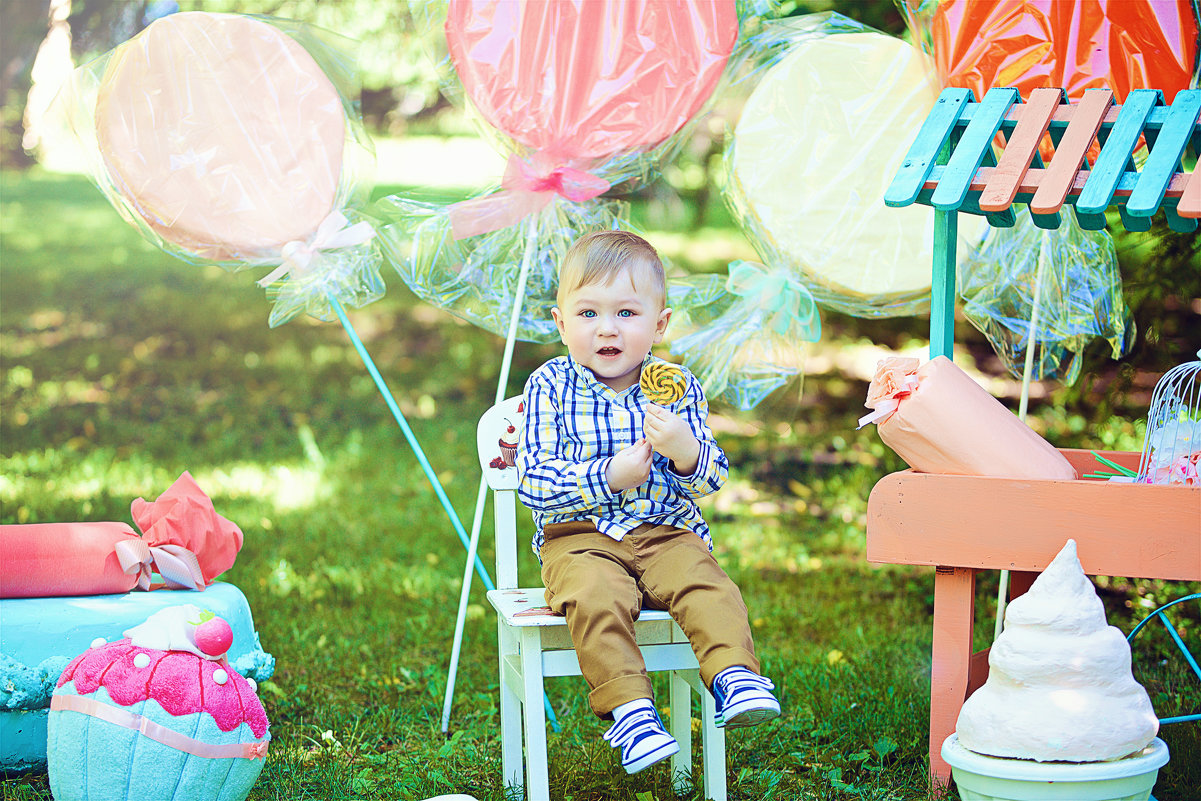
[332,233]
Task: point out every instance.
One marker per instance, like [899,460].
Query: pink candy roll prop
[40,560]
[939,420]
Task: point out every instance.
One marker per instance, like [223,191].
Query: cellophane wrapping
[1053,290]
[744,334]
[476,279]
[235,140]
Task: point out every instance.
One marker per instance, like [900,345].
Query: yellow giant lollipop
[663,382]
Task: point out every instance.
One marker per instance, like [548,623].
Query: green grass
[122,367]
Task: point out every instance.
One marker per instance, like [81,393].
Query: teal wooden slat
[942,284]
[1164,160]
[1090,222]
[974,148]
[1047,222]
[1117,146]
[997,219]
[1181,225]
[1132,223]
[923,153]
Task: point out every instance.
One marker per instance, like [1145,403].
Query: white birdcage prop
[1172,450]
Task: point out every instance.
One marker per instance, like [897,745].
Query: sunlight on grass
[285,487]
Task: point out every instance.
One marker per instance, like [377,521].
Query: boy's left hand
[671,436]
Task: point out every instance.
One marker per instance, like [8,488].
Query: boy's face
[609,328]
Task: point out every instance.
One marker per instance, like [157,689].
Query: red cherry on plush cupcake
[213,635]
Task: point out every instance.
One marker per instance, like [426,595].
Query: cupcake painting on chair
[508,440]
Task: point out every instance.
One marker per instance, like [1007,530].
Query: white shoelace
[738,680]
[632,726]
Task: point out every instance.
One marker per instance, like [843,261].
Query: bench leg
[954,605]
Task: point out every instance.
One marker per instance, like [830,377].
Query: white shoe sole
[658,755]
[748,717]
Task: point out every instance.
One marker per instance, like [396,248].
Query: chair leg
[713,747]
[537,779]
[681,729]
[510,716]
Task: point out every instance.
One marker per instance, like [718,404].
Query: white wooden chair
[533,644]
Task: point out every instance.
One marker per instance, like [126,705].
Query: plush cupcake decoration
[159,715]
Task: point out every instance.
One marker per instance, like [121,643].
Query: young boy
[612,481]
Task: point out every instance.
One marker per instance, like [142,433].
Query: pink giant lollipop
[585,81]
[222,134]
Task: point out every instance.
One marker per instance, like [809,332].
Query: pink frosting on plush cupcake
[182,683]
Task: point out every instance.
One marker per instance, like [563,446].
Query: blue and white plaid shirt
[574,425]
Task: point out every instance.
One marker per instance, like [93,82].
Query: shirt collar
[591,381]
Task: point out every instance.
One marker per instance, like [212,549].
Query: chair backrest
[496,443]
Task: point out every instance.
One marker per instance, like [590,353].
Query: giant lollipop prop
[224,139]
[581,96]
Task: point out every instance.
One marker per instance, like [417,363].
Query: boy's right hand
[629,467]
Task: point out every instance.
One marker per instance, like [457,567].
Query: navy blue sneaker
[642,739]
[743,698]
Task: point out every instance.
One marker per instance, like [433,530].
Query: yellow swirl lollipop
[663,382]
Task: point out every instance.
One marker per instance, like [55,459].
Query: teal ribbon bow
[787,305]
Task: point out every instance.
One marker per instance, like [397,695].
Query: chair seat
[527,607]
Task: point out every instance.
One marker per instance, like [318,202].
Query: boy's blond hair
[597,257]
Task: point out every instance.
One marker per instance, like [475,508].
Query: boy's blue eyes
[588,313]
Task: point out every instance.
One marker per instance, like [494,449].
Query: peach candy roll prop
[939,420]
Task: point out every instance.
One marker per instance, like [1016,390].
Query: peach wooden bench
[961,525]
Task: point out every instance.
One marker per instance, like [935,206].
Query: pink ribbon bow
[526,189]
[178,566]
[183,539]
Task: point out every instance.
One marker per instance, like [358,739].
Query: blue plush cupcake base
[94,760]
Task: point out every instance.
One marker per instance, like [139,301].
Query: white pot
[986,778]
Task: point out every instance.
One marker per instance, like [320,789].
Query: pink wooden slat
[1019,152]
[1033,179]
[1190,199]
[1080,134]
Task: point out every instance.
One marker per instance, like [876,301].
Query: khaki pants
[600,585]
